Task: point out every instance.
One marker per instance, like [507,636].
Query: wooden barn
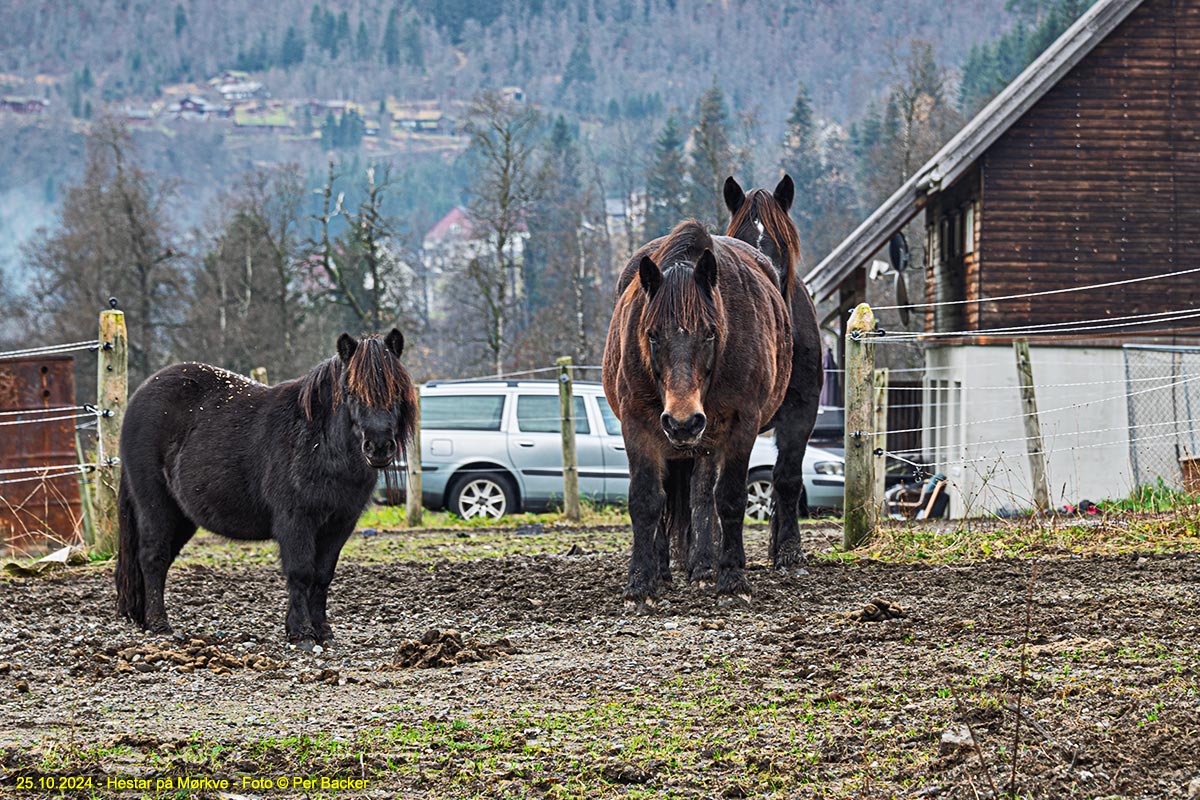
[1085,170]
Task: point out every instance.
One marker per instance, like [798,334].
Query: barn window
[969,229]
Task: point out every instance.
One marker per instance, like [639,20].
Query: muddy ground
[562,694]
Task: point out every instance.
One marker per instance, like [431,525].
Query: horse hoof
[641,608]
[789,557]
[734,601]
[159,628]
[306,645]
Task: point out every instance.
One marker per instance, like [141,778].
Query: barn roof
[962,151]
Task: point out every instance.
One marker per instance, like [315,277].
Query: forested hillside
[328,139]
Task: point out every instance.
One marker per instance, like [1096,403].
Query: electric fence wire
[1046,293]
[1046,328]
[1042,412]
[50,349]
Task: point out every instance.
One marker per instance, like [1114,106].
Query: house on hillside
[195,106]
[240,91]
[448,246]
[1083,171]
[624,218]
[24,105]
[421,120]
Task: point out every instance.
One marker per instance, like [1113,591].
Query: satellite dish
[899,255]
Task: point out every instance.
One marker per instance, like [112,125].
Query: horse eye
[712,335]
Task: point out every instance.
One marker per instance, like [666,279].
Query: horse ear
[706,272]
[650,275]
[785,193]
[395,342]
[346,345]
[734,196]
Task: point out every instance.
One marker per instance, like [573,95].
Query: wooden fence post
[859,516]
[260,374]
[879,441]
[1033,427]
[566,406]
[112,392]
[413,499]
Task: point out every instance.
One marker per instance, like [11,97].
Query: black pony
[761,219]
[295,462]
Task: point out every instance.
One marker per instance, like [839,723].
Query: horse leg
[297,549]
[701,564]
[163,530]
[330,542]
[792,429]
[731,505]
[646,500]
[676,527]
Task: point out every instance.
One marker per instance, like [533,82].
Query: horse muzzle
[684,433]
[378,457]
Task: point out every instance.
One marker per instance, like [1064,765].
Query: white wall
[1084,427]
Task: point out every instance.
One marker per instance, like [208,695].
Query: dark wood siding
[1100,181]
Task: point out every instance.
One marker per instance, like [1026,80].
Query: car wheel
[759,501]
[480,494]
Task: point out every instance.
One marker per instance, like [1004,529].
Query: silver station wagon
[490,448]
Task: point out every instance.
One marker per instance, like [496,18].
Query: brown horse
[761,219]
[696,363]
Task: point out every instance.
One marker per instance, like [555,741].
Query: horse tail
[677,511]
[131,591]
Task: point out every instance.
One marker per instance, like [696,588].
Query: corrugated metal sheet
[37,514]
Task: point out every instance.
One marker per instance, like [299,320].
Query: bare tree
[500,132]
[363,267]
[246,300]
[113,239]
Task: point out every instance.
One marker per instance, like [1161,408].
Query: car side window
[462,412]
[612,425]
[540,414]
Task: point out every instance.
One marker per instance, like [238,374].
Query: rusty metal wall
[36,515]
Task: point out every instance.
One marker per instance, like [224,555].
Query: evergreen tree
[329,39]
[181,21]
[579,73]
[343,28]
[666,189]
[291,52]
[391,39]
[989,67]
[801,157]
[411,41]
[316,23]
[329,132]
[362,43]
[712,157]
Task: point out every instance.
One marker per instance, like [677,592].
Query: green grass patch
[1172,531]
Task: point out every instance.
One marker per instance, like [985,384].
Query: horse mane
[776,224]
[374,376]
[679,301]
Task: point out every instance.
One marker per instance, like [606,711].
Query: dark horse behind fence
[761,219]
[696,363]
[295,462]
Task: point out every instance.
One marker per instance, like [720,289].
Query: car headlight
[829,468]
